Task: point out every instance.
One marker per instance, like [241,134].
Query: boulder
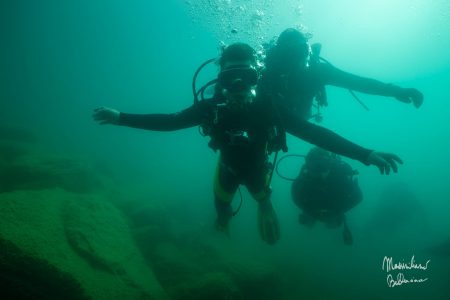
[80,235]
[23,276]
[214,285]
[35,172]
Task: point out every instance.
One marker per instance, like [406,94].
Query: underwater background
[107,212]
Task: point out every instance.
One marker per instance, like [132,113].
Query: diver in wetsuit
[325,190]
[241,126]
[295,75]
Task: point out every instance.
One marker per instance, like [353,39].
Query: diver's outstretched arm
[337,77]
[159,122]
[333,142]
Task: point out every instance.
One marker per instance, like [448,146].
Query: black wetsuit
[242,138]
[333,189]
[296,88]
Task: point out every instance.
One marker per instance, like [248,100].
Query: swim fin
[268,225]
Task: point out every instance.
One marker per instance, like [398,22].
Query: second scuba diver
[295,75]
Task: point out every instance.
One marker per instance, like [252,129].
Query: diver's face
[297,51]
[238,79]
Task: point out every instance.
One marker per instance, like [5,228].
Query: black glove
[409,95]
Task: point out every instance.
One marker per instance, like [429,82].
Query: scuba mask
[299,53]
[238,78]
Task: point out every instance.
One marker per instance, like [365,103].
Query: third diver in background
[325,190]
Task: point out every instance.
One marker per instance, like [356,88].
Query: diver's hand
[409,95]
[384,161]
[268,226]
[105,115]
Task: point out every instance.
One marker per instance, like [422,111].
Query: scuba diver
[325,190]
[243,127]
[295,75]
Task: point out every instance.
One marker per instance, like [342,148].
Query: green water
[61,59]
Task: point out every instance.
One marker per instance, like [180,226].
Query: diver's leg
[258,185]
[225,186]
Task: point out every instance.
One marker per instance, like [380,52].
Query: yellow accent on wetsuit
[218,190]
[261,195]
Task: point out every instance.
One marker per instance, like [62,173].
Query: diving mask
[238,78]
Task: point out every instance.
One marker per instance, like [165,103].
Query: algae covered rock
[214,285]
[174,266]
[206,269]
[98,232]
[150,225]
[255,279]
[36,172]
[38,223]
[185,277]
[25,277]
[26,164]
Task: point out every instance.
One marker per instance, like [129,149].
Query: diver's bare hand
[105,115]
[384,161]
